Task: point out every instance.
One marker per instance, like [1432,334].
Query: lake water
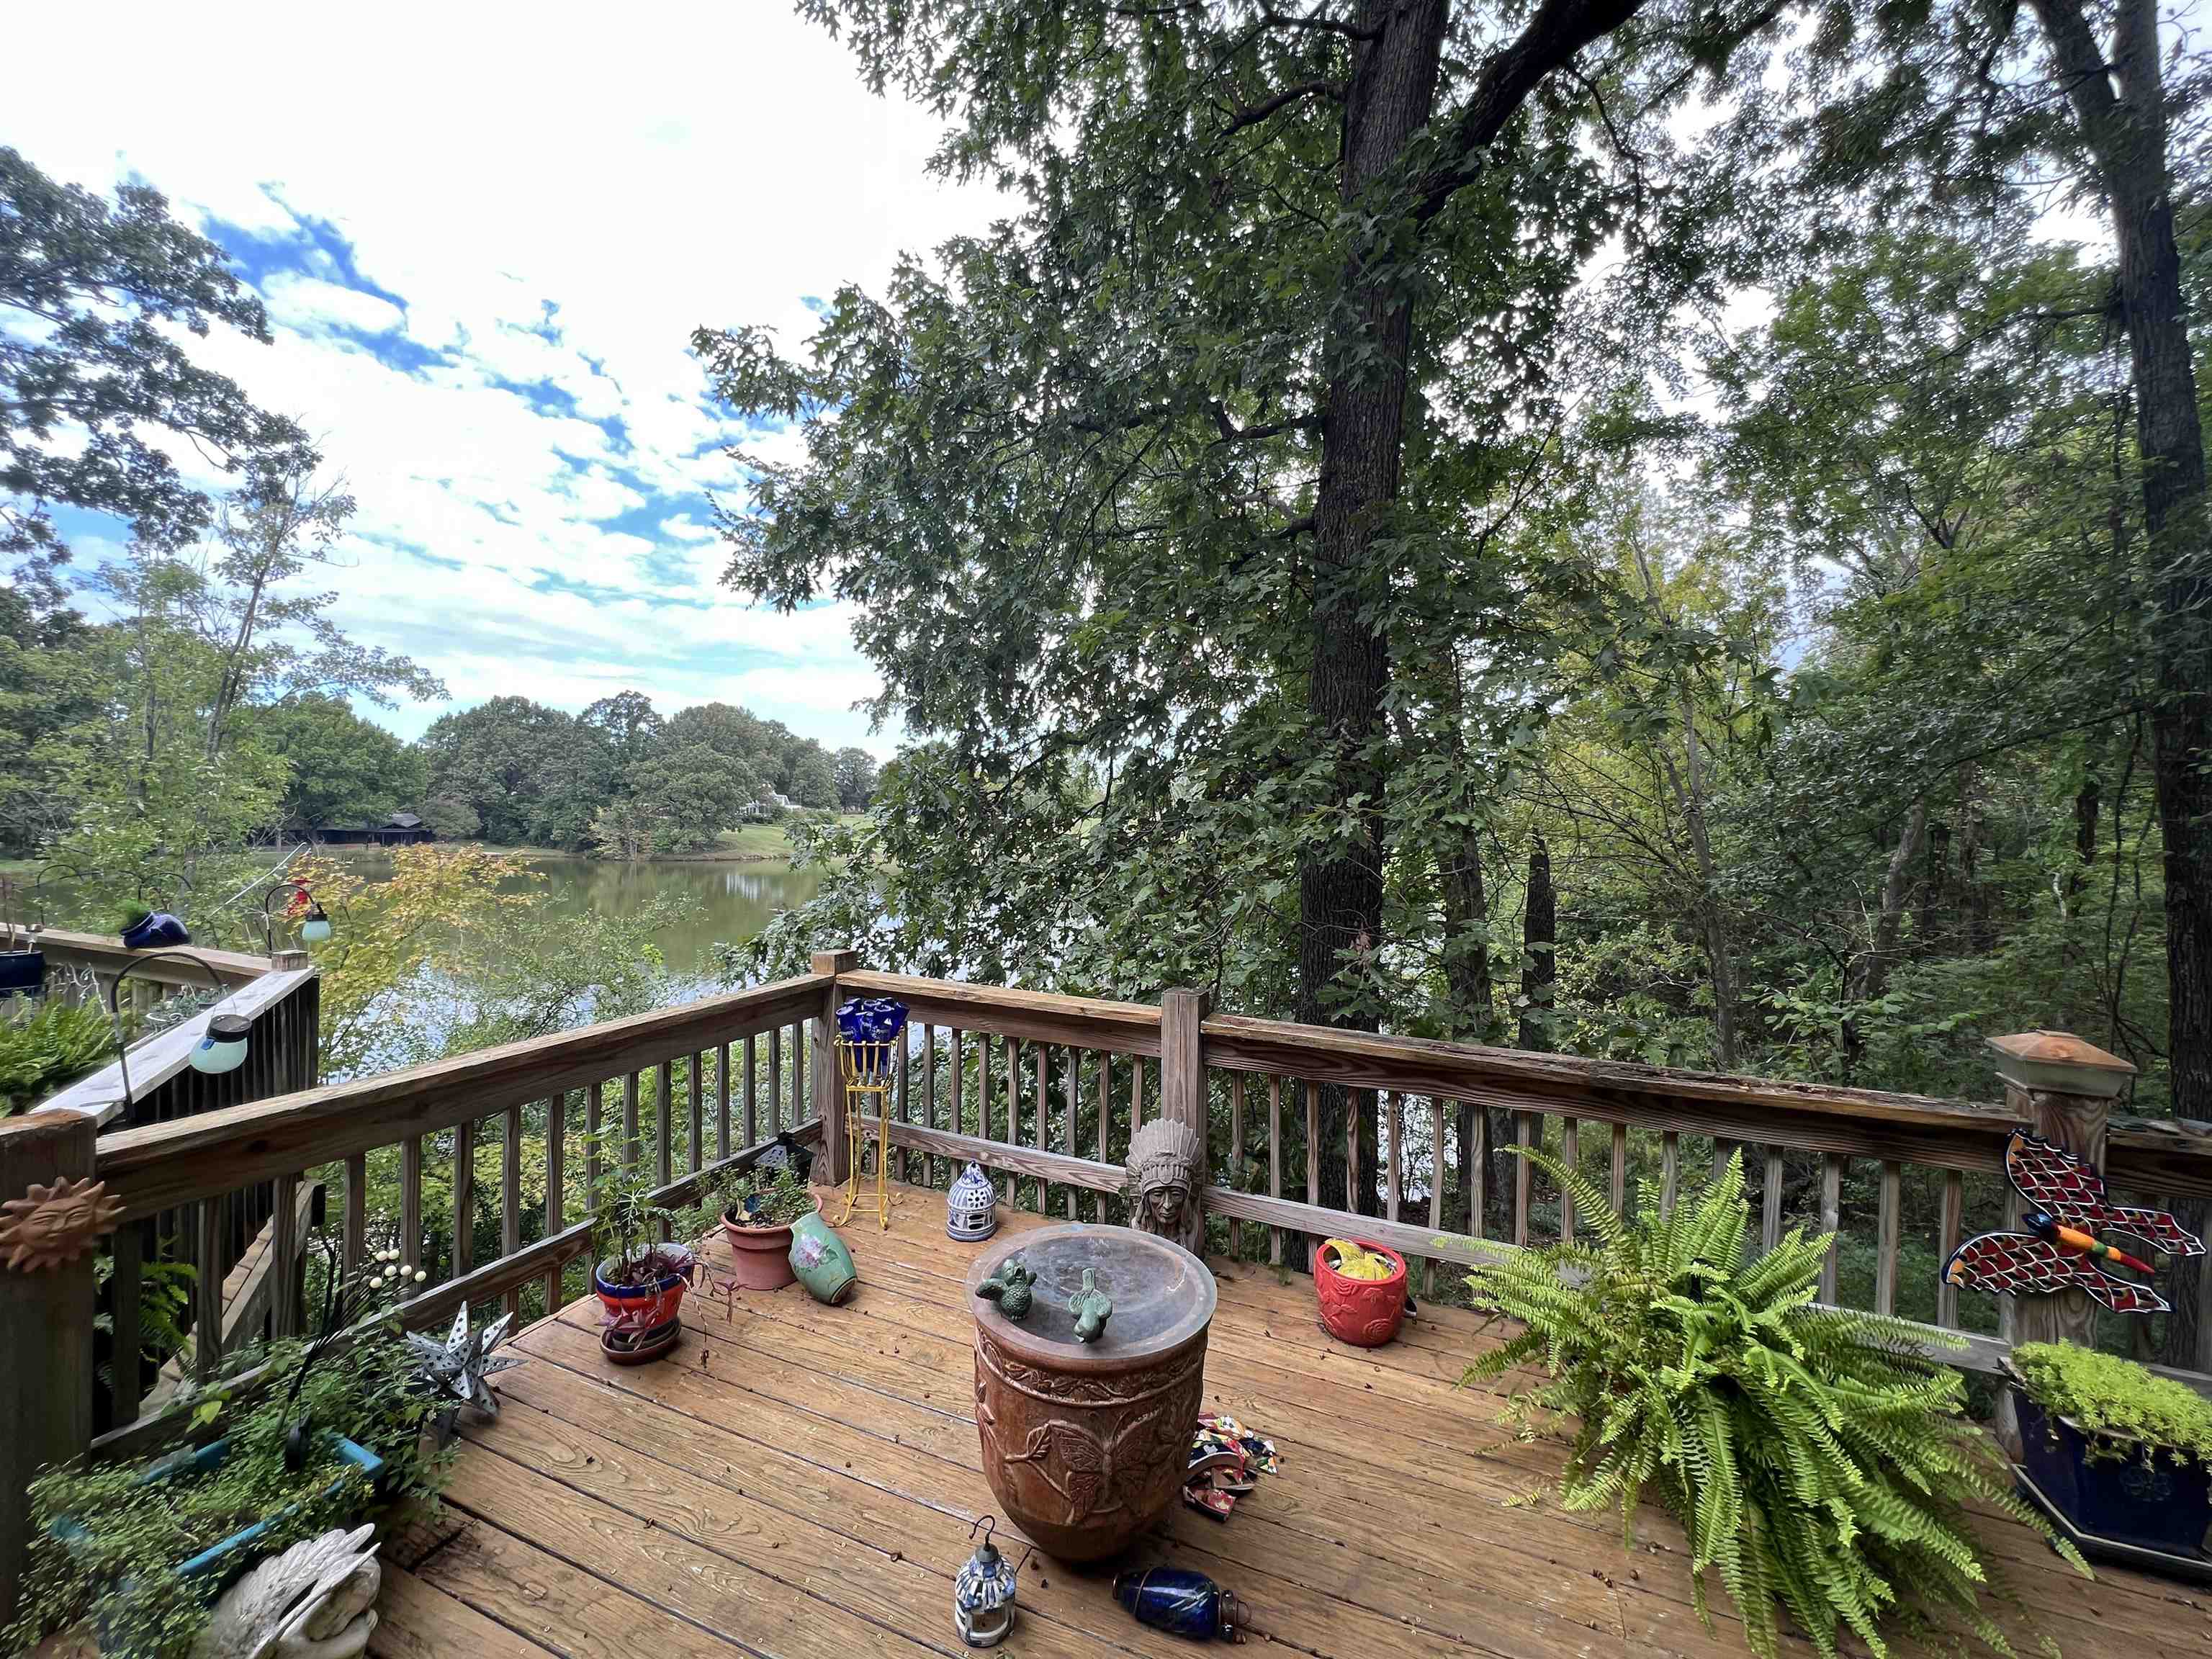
[727,903]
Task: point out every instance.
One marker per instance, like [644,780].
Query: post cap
[2058,1062]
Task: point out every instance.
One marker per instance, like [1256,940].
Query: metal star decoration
[457,1367]
[56,1224]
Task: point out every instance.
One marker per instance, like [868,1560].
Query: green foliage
[2107,1395]
[625,1214]
[119,1573]
[783,1198]
[1816,1458]
[46,1045]
[343,769]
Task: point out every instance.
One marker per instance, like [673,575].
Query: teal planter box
[234,1552]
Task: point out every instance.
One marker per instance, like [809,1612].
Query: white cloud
[310,304]
[556,209]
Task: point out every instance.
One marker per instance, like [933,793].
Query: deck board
[799,1481]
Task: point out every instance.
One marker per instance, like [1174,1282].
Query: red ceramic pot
[1364,1312]
[642,1307]
[760,1257]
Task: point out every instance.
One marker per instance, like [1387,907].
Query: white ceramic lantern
[983,1592]
[971,1206]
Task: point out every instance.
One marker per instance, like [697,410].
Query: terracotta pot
[1364,1312]
[1085,1443]
[760,1257]
[643,1307]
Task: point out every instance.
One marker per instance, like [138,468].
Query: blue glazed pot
[820,1261]
[235,1552]
[22,972]
[2155,1505]
[160,931]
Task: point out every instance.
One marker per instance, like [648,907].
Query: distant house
[399,830]
[769,809]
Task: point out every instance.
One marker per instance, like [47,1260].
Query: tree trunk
[1538,939]
[1390,97]
[1871,966]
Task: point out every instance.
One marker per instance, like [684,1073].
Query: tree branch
[1253,114]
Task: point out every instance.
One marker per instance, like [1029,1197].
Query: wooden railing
[1044,1091]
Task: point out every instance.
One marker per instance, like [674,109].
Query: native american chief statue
[1167,1172]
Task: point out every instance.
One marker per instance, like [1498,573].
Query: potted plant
[1819,1460]
[22,963]
[2124,1454]
[139,1554]
[757,1210]
[639,1280]
[151,930]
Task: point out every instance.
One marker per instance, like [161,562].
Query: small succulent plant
[455,1369]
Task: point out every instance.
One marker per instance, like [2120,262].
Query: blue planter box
[2154,1506]
[234,1552]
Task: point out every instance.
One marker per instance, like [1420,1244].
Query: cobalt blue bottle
[1183,1603]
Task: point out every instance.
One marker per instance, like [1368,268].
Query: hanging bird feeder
[301,907]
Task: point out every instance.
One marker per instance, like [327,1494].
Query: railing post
[829,1091]
[1182,1080]
[2065,1087]
[47,1312]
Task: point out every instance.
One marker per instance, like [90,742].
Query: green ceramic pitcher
[821,1262]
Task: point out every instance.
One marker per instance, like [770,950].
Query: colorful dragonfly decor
[2063,1247]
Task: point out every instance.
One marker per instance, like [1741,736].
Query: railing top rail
[104,954]
[162,1165]
[1131,1028]
[156,1059]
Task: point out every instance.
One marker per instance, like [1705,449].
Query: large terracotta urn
[1085,1443]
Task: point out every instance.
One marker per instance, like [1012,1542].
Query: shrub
[46,1048]
[2109,1396]
[1817,1458]
[784,1197]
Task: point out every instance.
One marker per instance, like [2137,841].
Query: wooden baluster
[1832,1220]
[1770,1202]
[664,1135]
[1885,1261]
[1074,1092]
[557,1174]
[1136,1093]
[594,1119]
[1437,1167]
[1670,1170]
[1275,1163]
[983,1101]
[284,1253]
[124,1287]
[898,1092]
[801,1106]
[632,1150]
[929,1096]
[959,1082]
[774,1081]
[464,1197]
[1237,1159]
[1313,1157]
[1105,1116]
[1043,1123]
[1570,1152]
[721,1103]
[1013,1113]
[1620,1168]
[745,1084]
[410,1202]
[1394,1162]
[510,1192]
[1721,1149]
[353,1250]
[1955,1225]
[695,1097]
[1477,1196]
[1523,1126]
[207,1290]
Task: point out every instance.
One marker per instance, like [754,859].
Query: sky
[484,236]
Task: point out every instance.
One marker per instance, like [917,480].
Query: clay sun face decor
[57,1222]
[2062,1248]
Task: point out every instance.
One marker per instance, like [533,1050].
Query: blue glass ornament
[1183,1603]
[871,1019]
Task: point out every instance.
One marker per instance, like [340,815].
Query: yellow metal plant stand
[868,1070]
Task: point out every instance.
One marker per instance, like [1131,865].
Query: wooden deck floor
[798,1480]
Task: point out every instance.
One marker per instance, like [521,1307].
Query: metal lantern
[983,1592]
[315,926]
[971,1206]
[223,1047]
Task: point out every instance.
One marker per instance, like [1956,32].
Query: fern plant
[1817,1458]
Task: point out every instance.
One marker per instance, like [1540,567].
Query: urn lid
[1163,1296]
